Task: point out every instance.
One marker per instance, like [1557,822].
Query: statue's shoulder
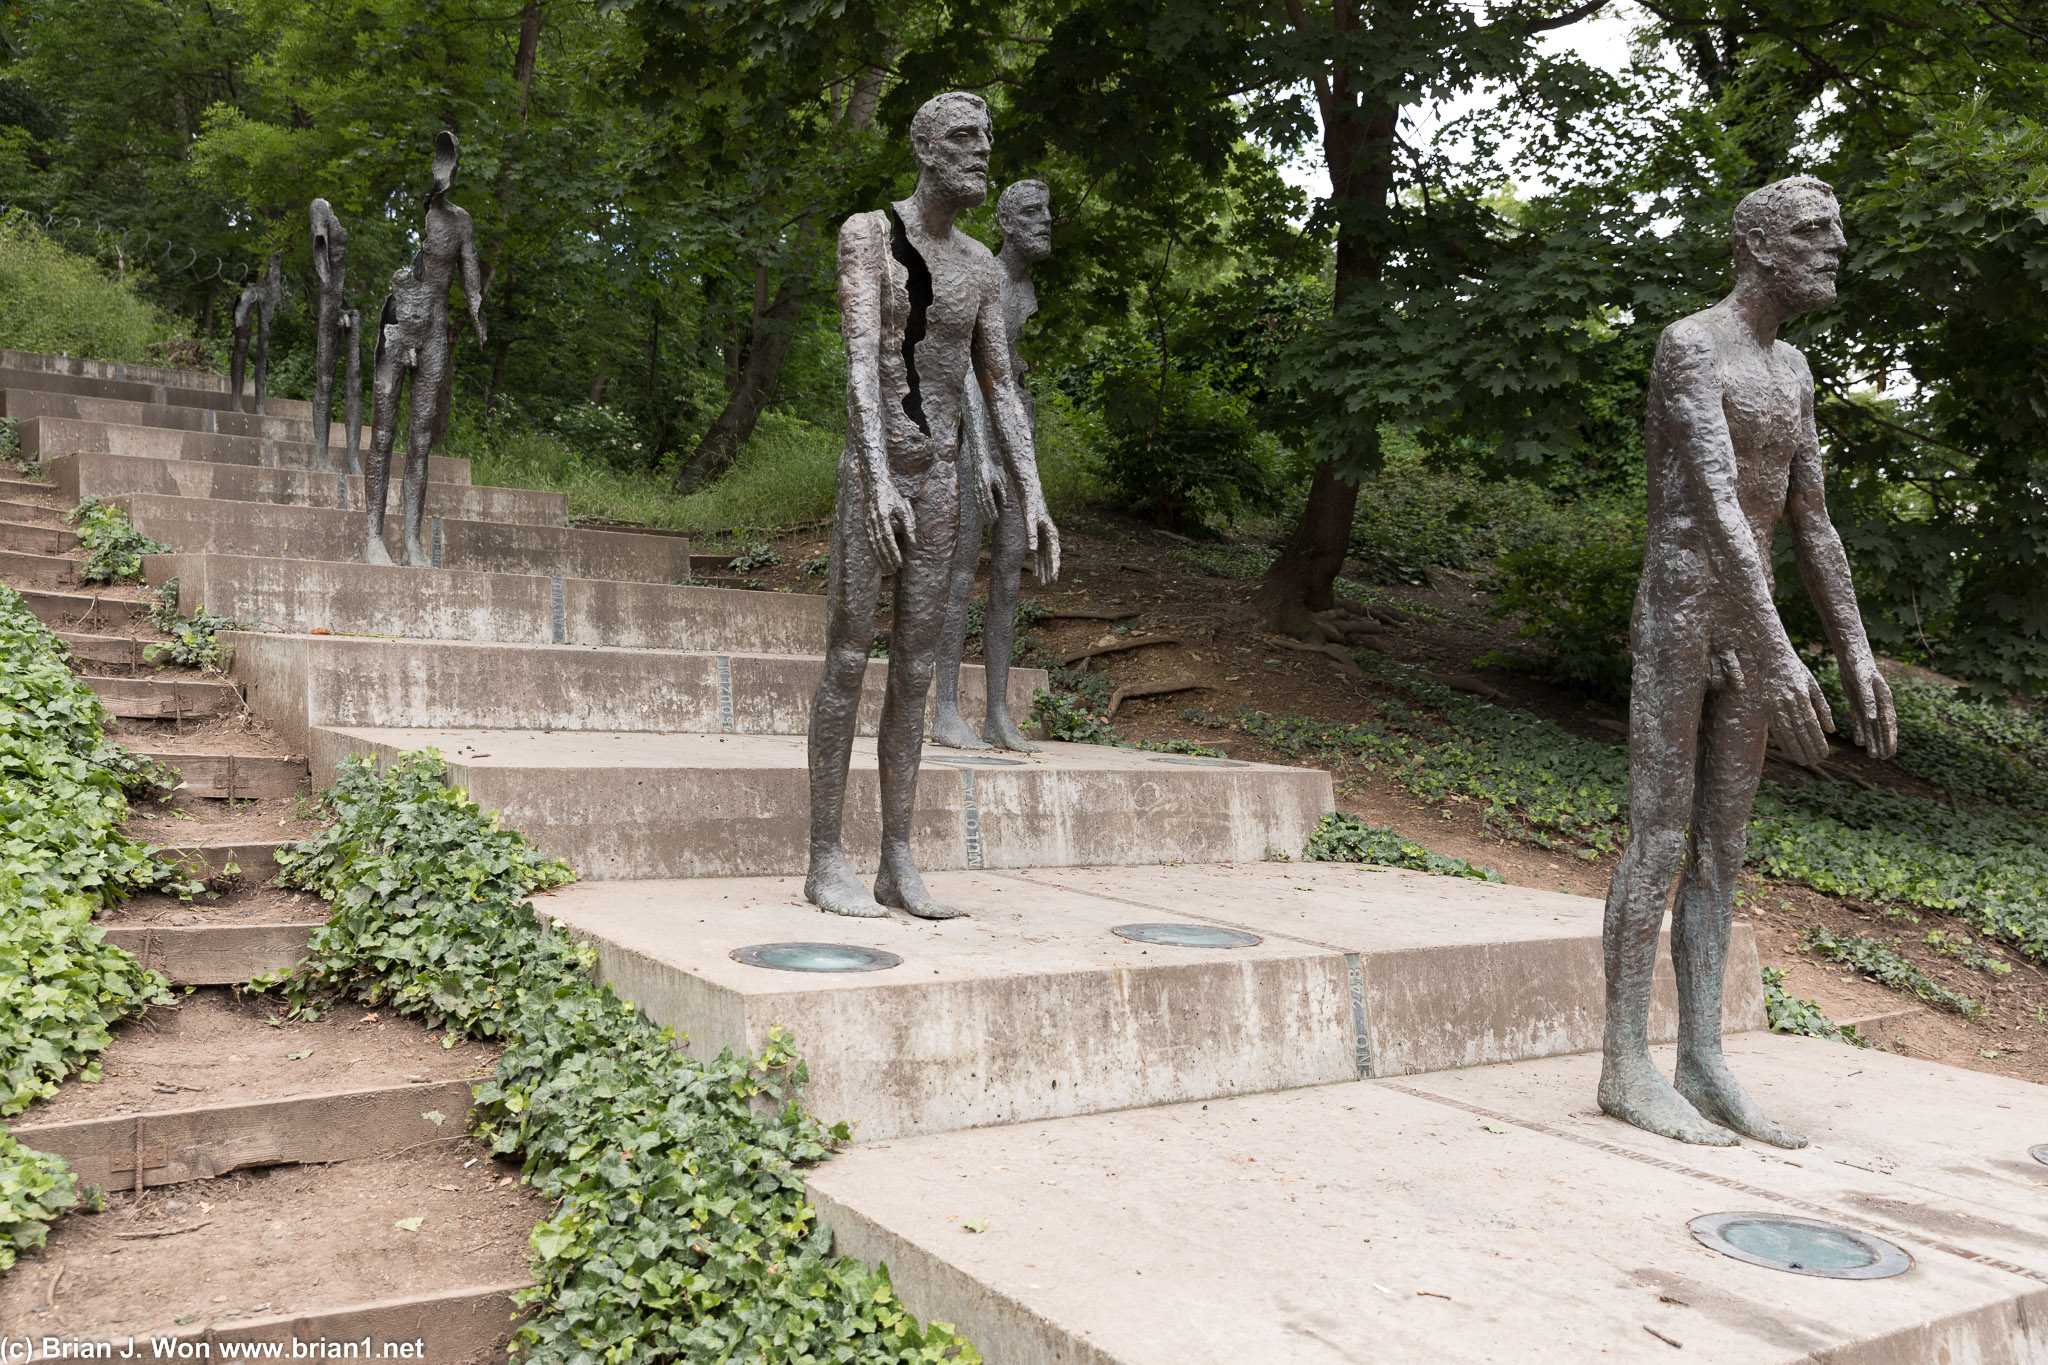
[1790,356]
[1691,344]
[864,230]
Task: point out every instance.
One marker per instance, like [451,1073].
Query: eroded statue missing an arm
[414,344]
[921,310]
[1732,450]
[335,325]
[253,314]
[989,497]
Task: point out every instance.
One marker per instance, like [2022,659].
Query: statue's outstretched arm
[1817,548]
[1010,423]
[887,514]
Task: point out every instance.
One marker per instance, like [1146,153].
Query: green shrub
[680,1228]
[113,547]
[1787,1013]
[1342,838]
[195,640]
[35,1188]
[1413,516]
[1182,450]
[56,300]
[1575,593]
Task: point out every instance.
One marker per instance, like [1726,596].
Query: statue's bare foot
[1004,734]
[375,553]
[1717,1095]
[899,885]
[949,729]
[832,886]
[1640,1095]
[415,557]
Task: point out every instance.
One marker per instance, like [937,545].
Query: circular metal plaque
[1191,761]
[2040,1153]
[1803,1246]
[974,760]
[816,957]
[1186,935]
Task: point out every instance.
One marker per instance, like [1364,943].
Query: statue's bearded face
[1029,225]
[1803,249]
[954,158]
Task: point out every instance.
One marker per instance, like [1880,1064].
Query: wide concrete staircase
[1163,1095]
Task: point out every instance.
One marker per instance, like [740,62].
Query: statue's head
[447,155]
[951,137]
[1024,213]
[1788,237]
[330,240]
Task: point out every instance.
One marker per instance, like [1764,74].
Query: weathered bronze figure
[413,340]
[335,325]
[253,312]
[920,307]
[990,498]
[1732,450]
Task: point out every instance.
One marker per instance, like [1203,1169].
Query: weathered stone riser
[118,476]
[49,437]
[136,390]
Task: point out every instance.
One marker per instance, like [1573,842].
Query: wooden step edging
[447,1325]
[80,608]
[233,776]
[205,1141]
[102,649]
[255,862]
[213,954]
[160,698]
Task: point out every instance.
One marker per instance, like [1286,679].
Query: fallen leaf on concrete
[1490,1126]
[975,1225]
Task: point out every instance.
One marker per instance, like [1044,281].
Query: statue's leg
[853,584]
[913,646]
[383,432]
[1732,743]
[323,383]
[999,636]
[352,401]
[262,360]
[419,444]
[1664,720]
[948,726]
[238,362]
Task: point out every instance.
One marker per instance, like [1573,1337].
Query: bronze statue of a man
[1732,449]
[334,321]
[253,312]
[920,309]
[413,339]
[990,498]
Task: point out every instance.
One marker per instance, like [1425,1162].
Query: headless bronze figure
[253,312]
[1732,450]
[334,325]
[413,340]
[990,498]
[920,310]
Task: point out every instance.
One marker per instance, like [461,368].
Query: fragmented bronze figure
[920,308]
[990,498]
[335,326]
[412,339]
[1732,450]
[253,312]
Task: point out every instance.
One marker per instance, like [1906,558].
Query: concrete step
[30,513]
[27,404]
[457,604]
[116,650]
[1485,1214]
[165,698]
[298,682]
[52,437]
[113,476]
[142,391]
[39,362]
[1031,1007]
[41,540]
[237,777]
[282,532]
[645,804]
[71,610]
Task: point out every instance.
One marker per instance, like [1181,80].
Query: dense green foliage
[1888,968]
[1181,449]
[1342,838]
[113,547]
[1789,1013]
[195,640]
[1574,594]
[680,1230]
[52,299]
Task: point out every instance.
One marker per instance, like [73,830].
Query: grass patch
[58,301]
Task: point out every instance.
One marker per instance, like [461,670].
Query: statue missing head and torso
[921,308]
[1732,451]
[253,313]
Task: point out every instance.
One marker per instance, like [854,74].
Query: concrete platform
[273,530]
[115,476]
[457,604]
[50,437]
[137,390]
[1378,1221]
[39,362]
[297,682]
[24,402]
[1030,1007]
[706,805]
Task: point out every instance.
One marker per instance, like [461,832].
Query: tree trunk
[729,433]
[1358,146]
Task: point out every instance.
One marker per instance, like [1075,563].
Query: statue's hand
[1870,705]
[1800,715]
[889,515]
[476,322]
[1042,538]
[988,493]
